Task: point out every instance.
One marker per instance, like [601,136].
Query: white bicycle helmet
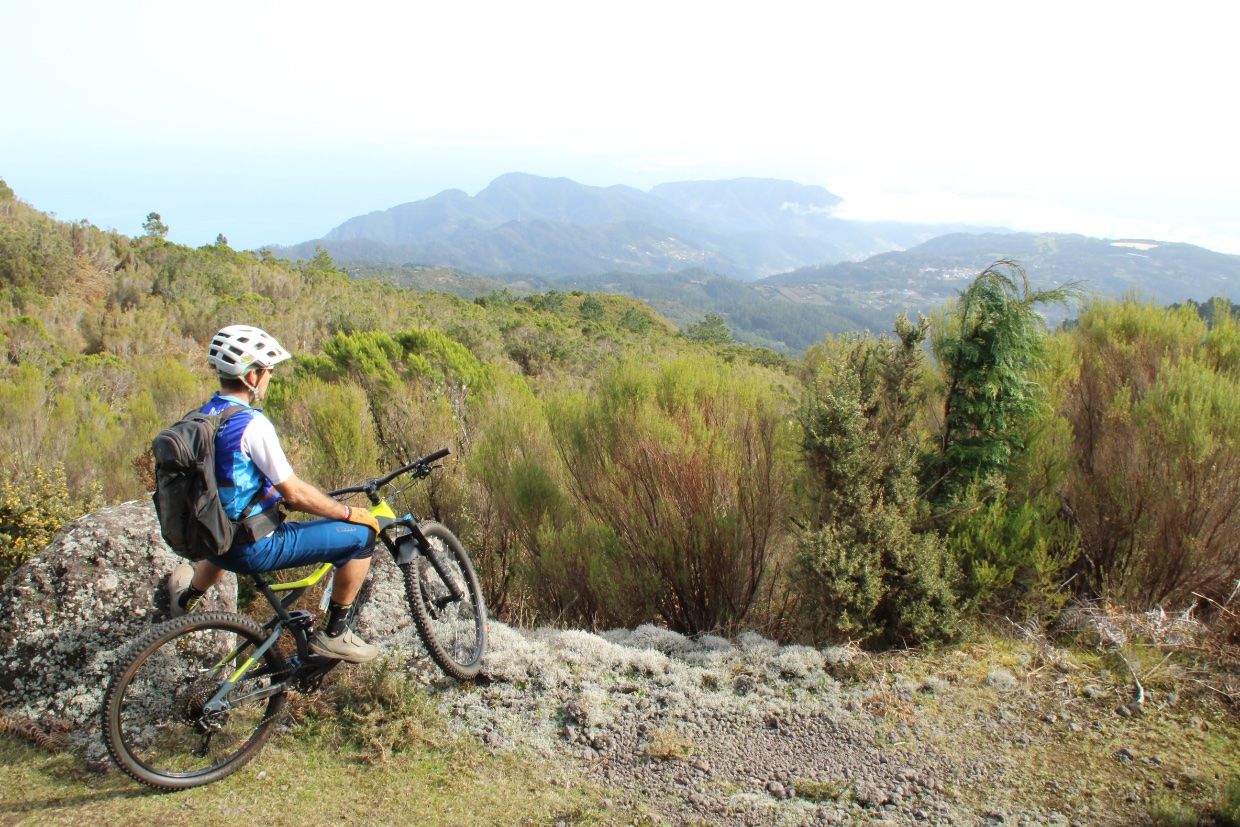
[239,348]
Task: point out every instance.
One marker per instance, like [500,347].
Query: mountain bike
[195,698]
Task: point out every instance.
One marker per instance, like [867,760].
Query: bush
[329,431]
[33,507]
[1155,490]
[679,491]
[1013,555]
[866,573]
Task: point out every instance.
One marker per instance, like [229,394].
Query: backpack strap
[223,416]
[227,414]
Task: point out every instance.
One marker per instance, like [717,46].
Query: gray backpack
[191,517]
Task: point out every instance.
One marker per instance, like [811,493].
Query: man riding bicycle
[254,477]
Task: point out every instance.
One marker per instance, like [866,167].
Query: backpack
[191,517]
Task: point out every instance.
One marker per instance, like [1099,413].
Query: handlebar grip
[440,454]
[339,492]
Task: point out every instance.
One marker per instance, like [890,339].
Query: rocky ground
[746,732]
[1012,729]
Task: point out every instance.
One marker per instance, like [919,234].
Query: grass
[832,790]
[374,747]
[1182,754]
[669,745]
[1224,810]
[369,749]
[303,781]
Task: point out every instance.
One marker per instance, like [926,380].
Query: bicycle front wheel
[446,602]
[157,720]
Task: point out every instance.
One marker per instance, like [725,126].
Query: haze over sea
[273,123]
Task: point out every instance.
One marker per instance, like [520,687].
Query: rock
[868,797]
[775,789]
[1001,679]
[67,613]
[384,618]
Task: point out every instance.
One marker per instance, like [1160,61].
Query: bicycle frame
[307,667]
[297,622]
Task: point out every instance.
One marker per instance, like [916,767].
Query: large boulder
[68,613]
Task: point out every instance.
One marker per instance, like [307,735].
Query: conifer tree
[988,347]
[154,226]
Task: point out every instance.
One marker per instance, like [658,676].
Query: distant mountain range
[745,228]
[769,256]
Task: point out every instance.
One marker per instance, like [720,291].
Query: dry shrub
[1173,648]
[29,731]
[1155,492]
[888,704]
[669,498]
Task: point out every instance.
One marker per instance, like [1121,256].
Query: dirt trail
[747,732]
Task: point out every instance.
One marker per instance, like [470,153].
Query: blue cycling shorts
[300,544]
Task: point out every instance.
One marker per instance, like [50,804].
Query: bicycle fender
[407,547]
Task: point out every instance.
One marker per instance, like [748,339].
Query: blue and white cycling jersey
[248,459]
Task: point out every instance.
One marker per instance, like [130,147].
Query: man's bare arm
[300,495]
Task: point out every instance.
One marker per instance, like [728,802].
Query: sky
[271,122]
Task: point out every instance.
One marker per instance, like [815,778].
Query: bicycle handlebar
[420,465]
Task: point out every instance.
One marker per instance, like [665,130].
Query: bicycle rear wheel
[154,723]
[446,602]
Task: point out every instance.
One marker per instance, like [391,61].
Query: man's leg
[206,575]
[187,584]
[346,545]
[349,579]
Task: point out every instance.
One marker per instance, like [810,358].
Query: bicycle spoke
[162,730]
[446,602]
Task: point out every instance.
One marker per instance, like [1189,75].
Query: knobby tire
[149,709]
[454,631]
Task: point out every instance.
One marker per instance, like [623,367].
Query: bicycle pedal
[302,620]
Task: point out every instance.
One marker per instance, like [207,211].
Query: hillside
[791,311]
[744,228]
[932,272]
[641,725]
[775,532]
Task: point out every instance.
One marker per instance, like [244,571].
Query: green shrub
[865,572]
[33,507]
[1013,554]
[328,431]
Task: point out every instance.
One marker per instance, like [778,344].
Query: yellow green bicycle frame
[381,512]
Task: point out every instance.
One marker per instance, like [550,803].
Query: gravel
[742,732]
